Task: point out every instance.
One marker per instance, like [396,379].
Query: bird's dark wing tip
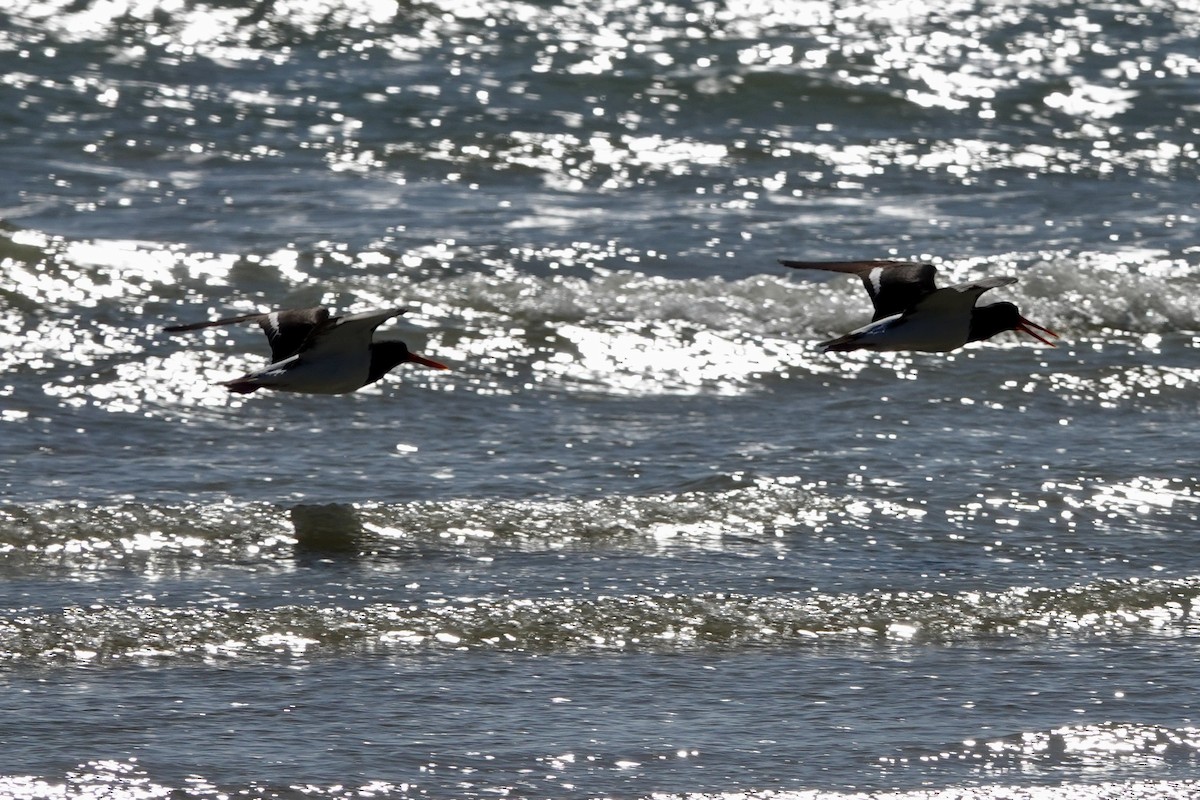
[191,326]
[852,267]
[212,323]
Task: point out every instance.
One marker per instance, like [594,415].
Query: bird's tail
[842,344]
[242,385]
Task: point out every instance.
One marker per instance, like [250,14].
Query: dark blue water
[644,539]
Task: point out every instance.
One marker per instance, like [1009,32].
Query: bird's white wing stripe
[876,276]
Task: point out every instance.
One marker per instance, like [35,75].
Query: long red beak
[1036,331]
[426,362]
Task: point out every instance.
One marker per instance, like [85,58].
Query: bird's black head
[387,355]
[987,321]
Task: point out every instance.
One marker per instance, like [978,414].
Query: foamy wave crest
[102,633]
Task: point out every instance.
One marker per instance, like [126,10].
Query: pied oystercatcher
[315,352]
[912,313]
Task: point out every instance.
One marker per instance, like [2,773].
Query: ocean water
[644,540]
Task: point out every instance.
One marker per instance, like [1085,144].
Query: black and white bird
[912,313]
[314,352]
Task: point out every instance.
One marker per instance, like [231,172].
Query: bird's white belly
[935,333]
[321,376]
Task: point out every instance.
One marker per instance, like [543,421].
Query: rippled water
[643,540]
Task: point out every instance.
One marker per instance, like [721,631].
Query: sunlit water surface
[644,540]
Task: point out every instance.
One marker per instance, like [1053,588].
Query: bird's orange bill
[426,362]
[1033,329]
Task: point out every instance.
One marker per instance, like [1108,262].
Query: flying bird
[912,313]
[314,352]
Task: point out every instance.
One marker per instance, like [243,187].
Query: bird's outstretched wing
[894,286]
[294,330]
[961,295]
[349,334]
[288,332]
[195,326]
